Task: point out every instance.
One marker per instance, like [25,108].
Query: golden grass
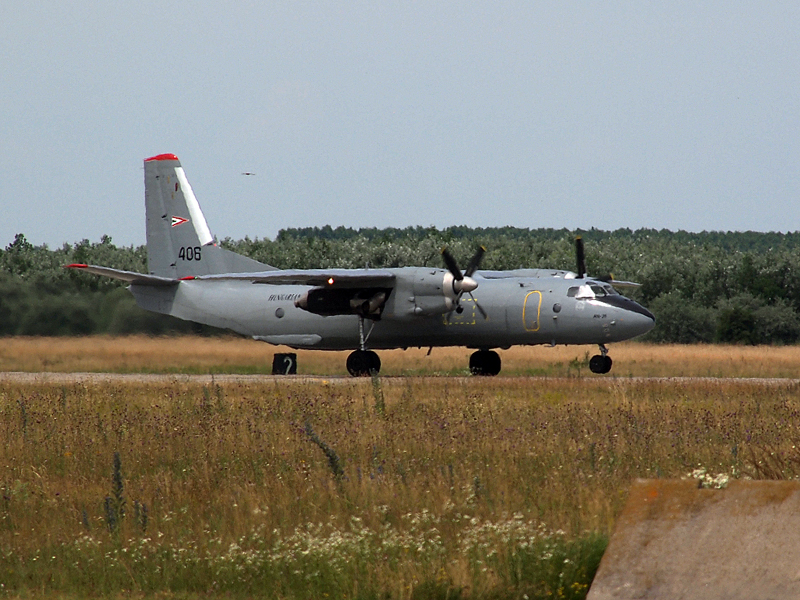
[238,355]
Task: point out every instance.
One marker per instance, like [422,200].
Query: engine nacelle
[437,292]
[368,302]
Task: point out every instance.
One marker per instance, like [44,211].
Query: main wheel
[363,363]
[600,364]
[485,362]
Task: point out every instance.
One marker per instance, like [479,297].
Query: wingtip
[76,266]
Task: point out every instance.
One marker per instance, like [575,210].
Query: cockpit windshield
[592,289]
[610,290]
[598,290]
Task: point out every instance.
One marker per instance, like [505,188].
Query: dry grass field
[395,487]
[140,354]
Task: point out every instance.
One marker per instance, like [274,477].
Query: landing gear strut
[363,362]
[484,362]
[601,363]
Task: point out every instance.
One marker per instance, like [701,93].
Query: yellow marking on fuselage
[531,325]
[453,318]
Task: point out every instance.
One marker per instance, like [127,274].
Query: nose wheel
[601,363]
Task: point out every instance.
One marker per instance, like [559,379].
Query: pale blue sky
[676,115]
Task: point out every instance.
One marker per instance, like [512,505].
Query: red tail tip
[162,157]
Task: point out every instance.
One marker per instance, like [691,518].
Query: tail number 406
[189,253]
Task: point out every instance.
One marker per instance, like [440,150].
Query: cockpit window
[592,290]
[598,290]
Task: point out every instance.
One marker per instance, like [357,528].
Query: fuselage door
[531,311]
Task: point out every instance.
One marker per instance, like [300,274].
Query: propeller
[617,282]
[463,282]
[580,257]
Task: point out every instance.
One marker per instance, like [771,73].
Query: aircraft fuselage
[525,307]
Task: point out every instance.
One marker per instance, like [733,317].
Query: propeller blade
[475,261]
[480,308]
[617,282]
[624,284]
[452,265]
[581,257]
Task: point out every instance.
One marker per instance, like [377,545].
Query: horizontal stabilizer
[129,276]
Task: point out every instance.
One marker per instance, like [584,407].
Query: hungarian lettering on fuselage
[190,277]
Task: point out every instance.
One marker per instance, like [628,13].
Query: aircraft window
[598,290]
[610,290]
[571,292]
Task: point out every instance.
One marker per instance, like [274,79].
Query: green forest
[727,287]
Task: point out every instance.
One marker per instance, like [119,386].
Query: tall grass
[453,488]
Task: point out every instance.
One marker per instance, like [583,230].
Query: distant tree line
[738,287]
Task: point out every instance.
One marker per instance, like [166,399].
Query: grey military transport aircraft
[192,278]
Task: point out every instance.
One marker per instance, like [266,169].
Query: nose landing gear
[601,363]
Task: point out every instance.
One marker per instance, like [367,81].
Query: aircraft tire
[374,363]
[600,364]
[363,363]
[485,363]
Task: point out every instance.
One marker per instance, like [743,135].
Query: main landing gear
[363,362]
[484,362]
[601,363]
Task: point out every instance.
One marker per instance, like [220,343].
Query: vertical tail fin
[179,242]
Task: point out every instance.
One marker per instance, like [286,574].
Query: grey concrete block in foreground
[674,540]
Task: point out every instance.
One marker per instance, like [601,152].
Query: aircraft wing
[329,278]
[129,276]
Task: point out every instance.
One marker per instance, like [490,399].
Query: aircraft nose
[632,319]
[637,320]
